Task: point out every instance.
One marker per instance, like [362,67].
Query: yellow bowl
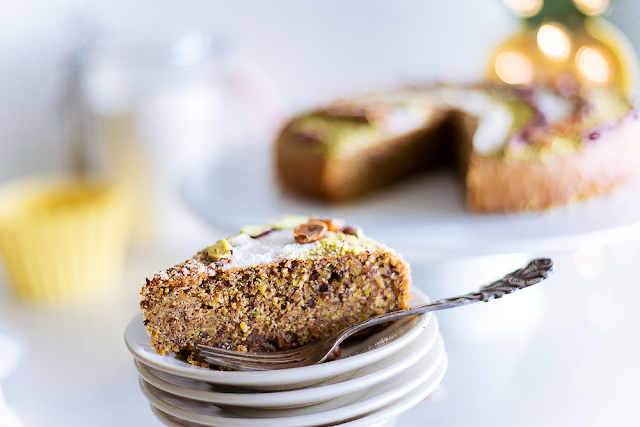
[64,239]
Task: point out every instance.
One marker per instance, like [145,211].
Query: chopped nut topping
[310,231]
[222,249]
[350,230]
[333,224]
[244,328]
[264,233]
[254,230]
[289,221]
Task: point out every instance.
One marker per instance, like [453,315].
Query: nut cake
[516,148]
[273,287]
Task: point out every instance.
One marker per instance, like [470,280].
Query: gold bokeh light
[514,68]
[526,8]
[592,64]
[591,7]
[554,42]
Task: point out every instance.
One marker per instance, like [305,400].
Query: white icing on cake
[556,109]
[275,246]
[403,120]
[494,128]
[630,125]
[495,123]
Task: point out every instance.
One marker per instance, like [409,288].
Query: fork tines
[209,351]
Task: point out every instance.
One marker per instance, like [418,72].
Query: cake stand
[423,218]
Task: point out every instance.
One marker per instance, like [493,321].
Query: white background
[312,51]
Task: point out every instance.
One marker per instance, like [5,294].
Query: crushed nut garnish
[264,233]
[310,231]
[353,231]
[254,230]
[333,224]
[222,249]
[289,221]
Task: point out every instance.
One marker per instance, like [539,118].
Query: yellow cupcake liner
[64,240]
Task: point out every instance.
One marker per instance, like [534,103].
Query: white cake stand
[423,218]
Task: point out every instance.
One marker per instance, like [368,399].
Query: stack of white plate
[376,378]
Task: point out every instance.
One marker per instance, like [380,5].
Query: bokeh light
[514,68]
[591,7]
[526,8]
[554,42]
[592,64]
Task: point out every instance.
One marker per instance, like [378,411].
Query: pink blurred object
[258,94]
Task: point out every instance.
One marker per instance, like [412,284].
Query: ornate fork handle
[533,273]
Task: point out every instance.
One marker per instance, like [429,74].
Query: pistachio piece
[354,231]
[333,224]
[264,233]
[254,229]
[244,327]
[222,249]
[289,221]
[310,231]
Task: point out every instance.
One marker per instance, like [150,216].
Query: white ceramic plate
[405,402]
[377,418]
[172,421]
[423,217]
[355,355]
[336,386]
[344,408]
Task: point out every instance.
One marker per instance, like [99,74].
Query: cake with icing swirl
[516,148]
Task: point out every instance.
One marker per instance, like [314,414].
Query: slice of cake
[354,147]
[515,148]
[273,287]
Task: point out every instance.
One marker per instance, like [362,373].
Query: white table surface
[563,353]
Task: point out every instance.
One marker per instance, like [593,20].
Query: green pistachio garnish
[289,221]
[244,327]
[255,229]
[222,249]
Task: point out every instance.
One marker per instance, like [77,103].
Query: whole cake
[516,148]
[273,287]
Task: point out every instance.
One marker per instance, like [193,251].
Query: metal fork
[319,351]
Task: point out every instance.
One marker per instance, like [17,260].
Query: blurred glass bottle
[156,109]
